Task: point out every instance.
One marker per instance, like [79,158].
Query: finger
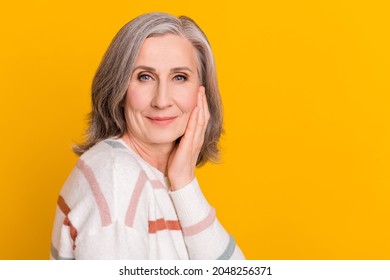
[190,132]
[201,99]
[206,109]
[206,113]
[200,102]
[194,134]
[200,127]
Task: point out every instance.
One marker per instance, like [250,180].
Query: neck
[157,155]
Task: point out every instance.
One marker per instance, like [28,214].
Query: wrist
[179,183]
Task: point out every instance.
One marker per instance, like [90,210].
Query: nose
[162,97]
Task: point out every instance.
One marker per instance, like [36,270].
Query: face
[162,91]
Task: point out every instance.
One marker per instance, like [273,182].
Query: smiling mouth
[162,120]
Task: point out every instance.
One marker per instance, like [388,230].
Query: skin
[165,101]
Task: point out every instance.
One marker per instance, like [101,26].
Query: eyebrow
[151,69]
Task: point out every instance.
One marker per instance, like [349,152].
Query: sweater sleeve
[204,236]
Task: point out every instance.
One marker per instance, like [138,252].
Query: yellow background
[305,84]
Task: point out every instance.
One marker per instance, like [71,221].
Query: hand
[182,161]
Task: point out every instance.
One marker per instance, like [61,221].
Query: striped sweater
[114,205]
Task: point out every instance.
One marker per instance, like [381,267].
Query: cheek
[136,99]
[187,102]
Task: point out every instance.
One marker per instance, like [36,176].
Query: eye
[180,78]
[144,77]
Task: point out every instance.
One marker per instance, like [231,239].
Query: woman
[156,115]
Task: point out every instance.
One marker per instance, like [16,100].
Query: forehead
[169,50]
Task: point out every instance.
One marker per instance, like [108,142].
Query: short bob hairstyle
[109,87]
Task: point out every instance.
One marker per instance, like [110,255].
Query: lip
[162,120]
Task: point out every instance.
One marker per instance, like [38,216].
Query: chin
[165,136]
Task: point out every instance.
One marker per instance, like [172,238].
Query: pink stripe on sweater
[200,226]
[132,208]
[156,184]
[97,192]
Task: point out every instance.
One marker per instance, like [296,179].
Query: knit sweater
[114,205]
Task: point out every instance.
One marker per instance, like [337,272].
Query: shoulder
[109,157]
[102,181]
[106,166]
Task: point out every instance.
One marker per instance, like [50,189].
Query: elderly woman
[156,115]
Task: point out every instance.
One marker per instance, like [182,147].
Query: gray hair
[107,118]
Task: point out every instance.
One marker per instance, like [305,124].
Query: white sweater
[114,205]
